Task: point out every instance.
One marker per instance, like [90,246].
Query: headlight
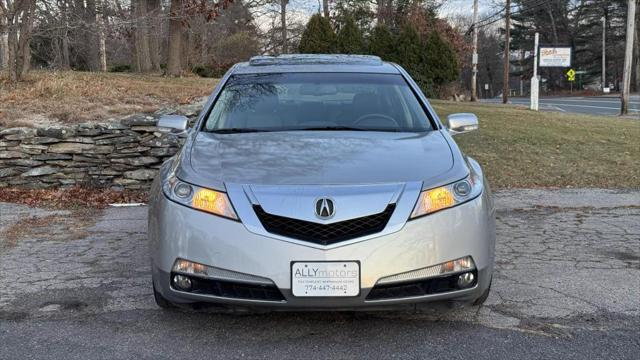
[447,196]
[211,201]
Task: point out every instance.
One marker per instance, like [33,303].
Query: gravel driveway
[76,284]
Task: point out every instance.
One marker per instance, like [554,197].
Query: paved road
[595,105]
[76,285]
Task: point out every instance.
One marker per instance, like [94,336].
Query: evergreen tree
[318,37]
[350,39]
[409,53]
[440,64]
[432,62]
[382,43]
[360,10]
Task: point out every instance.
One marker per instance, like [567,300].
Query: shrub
[120,68]
[236,47]
[211,71]
[318,37]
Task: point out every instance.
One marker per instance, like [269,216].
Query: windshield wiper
[332,128]
[344,128]
[237,130]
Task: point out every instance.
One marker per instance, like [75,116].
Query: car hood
[315,158]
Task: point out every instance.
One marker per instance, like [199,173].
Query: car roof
[315,63]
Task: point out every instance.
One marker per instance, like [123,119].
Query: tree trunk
[4,50]
[20,22]
[102,48]
[187,45]
[554,28]
[379,11]
[154,12]
[325,8]
[92,38]
[65,62]
[174,67]
[141,36]
[4,42]
[12,43]
[283,24]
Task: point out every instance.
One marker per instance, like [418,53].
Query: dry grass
[70,96]
[51,228]
[522,148]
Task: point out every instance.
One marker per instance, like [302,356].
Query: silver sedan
[320,182]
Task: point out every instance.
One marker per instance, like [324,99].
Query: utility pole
[283,24]
[535,83]
[505,75]
[604,53]
[474,59]
[628,56]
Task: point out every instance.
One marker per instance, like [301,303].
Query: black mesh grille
[417,288]
[235,290]
[324,234]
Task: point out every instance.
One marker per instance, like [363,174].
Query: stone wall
[122,154]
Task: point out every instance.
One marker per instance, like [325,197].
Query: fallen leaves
[71,198]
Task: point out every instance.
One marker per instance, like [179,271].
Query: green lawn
[522,148]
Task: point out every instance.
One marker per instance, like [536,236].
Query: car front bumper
[176,231]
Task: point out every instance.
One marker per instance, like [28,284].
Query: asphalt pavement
[594,105]
[76,285]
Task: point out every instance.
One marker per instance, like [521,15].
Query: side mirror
[175,124]
[462,122]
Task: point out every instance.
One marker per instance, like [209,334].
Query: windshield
[317,101]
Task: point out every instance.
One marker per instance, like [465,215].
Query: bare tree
[18,15]
[4,38]
[102,47]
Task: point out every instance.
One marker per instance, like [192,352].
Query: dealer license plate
[325,279]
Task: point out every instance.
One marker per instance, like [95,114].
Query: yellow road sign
[571,75]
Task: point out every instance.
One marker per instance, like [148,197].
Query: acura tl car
[320,182]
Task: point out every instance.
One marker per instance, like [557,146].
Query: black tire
[161,301]
[479,301]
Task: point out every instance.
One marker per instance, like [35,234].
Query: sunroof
[315,59]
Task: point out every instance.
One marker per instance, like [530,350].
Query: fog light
[182,282]
[465,280]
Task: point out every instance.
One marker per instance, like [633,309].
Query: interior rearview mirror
[462,122]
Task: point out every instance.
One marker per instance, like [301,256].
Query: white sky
[465,7]
[299,11]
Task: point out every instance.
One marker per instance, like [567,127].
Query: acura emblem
[325,208]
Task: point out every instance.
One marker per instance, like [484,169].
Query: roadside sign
[571,75]
[555,56]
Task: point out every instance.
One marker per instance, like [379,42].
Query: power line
[497,16]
